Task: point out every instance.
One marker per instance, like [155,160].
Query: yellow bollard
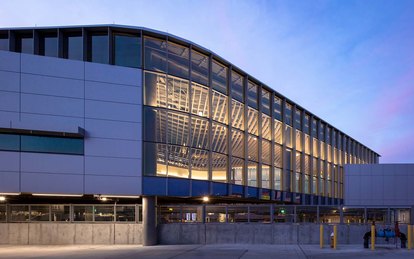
[321,236]
[409,237]
[373,237]
[335,236]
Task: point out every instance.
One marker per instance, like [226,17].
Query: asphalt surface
[201,251]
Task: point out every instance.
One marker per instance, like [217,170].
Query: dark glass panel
[237,86]
[155,54]
[52,145]
[125,213]
[9,142]
[178,60]
[49,45]
[155,123]
[288,114]
[99,50]
[298,119]
[306,121]
[199,67]
[219,77]
[4,42]
[277,108]
[127,50]
[252,95]
[25,44]
[73,47]
[266,101]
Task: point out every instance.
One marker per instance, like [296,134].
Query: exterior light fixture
[206,199]
[104,199]
[2,198]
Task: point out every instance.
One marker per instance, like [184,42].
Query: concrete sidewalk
[201,251]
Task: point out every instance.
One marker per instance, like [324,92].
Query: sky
[351,63]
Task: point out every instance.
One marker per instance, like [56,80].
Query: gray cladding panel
[113,129]
[113,185]
[49,66]
[9,101]
[113,74]
[7,118]
[49,122]
[113,111]
[48,85]
[113,148]
[112,92]
[113,166]
[9,182]
[9,81]
[52,105]
[9,161]
[52,163]
[10,61]
[51,183]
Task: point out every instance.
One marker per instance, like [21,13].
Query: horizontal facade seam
[97,156]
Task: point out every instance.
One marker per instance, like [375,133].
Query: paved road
[200,251]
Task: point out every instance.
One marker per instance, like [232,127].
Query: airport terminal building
[129,114]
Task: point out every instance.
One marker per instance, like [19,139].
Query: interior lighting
[2,198]
[57,194]
[9,193]
[200,113]
[121,196]
[206,199]
[104,199]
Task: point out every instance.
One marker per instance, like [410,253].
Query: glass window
[237,214]
[315,128]
[237,114]
[155,54]
[178,94]
[315,147]
[260,214]
[253,121]
[252,95]
[328,135]
[354,215]
[266,127]
[200,100]
[219,135]
[278,131]
[178,60]
[277,178]
[315,167]
[306,121]
[178,128]
[298,162]
[73,46]
[322,132]
[60,213]
[19,213]
[237,86]
[4,42]
[277,108]
[9,142]
[39,213]
[288,136]
[265,101]
[155,89]
[199,164]
[155,121]
[278,156]
[307,144]
[83,213]
[200,66]
[219,77]
[49,45]
[178,161]
[266,152]
[155,159]
[219,167]
[252,174]
[24,43]
[199,129]
[288,114]
[104,213]
[125,213]
[315,185]
[298,140]
[322,150]
[237,166]
[307,165]
[266,176]
[252,148]
[58,145]
[219,107]
[306,214]
[237,143]
[127,50]
[215,214]
[98,49]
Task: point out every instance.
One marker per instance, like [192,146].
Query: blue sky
[349,62]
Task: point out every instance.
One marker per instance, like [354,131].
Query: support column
[149,221]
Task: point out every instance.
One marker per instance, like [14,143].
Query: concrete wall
[69,234]
[241,233]
[52,94]
[379,185]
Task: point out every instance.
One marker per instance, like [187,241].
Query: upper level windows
[4,41]
[48,43]
[298,119]
[288,114]
[219,77]
[252,90]
[155,54]
[277,108]
[200,66]
[178,60]
[98,49]
[73,45]
[237,86]
[24,42]
[266,101]
[127,50]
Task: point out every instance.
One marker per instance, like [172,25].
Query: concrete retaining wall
[69,233]
[244,233]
